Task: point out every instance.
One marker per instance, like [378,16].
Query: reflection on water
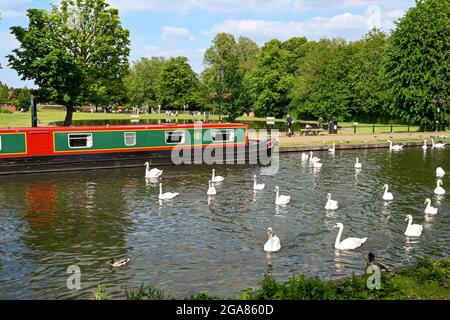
[196,243]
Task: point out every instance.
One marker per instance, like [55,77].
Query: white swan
[281,199]
[273,244]
[211,190]
[317,164]
[331,204]
[305,156]
[216,178]
[387,196]
[167,195]
[439,190]
[154,173]
[333,149]
[440,172]
[358,164]
[313,159]
[257,186]
[349,243]
[413,230]
[429,209]
[437,145]
[396,147]
[424,146]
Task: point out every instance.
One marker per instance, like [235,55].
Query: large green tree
[76,53]
[4,92]
[177,83]
[417,64]
[141,82]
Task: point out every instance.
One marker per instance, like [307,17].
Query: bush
[5,111]
[100,294]
[146,293]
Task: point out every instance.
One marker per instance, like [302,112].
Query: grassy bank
[426,280]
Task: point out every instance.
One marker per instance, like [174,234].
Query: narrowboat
[48,149]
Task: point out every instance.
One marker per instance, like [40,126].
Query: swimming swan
[440,172]
[395,147]
[437,145]
[387,196]
[333,149]
[331,204]
[216,178]
[358,164]
[167,195]
[211,190]
[429,209]
[349,243]
[424,146]
[413,230]
[439,190]
[273,244]
[281,199]
[154,173]
[257,186]
[313,159]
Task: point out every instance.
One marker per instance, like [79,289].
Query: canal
[194,243]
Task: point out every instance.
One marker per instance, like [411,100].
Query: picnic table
[310,131]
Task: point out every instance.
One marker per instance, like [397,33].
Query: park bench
[310,131]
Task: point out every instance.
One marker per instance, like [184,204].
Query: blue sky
[186,27]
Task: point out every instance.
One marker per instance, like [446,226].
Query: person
[373,261]
[289,125]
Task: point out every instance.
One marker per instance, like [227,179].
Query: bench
[310,131]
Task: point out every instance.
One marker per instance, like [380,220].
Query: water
[192,244]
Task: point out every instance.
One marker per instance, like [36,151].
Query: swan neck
[160,189]
[338,238]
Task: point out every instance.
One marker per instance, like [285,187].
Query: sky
[186,27]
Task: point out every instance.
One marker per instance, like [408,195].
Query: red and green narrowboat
[47,149]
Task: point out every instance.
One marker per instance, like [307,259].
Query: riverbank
[426,280]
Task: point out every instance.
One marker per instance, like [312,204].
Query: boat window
[174,137]
[222,135]
[130,138]
[80,140]
[0,143]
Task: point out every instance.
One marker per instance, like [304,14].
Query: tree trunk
[69,114]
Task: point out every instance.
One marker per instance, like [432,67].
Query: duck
[153,173]
[358,164]
[439,190]
[166,195]
[440,172]
[424,146]
[429,209]
[216,178]
[437,145]
[281,199]
[305,156]
[273,243]
[332,149]
[317,165]
[348,243]
[331,204]
[119,262]
[211,190]
[412,230]
[313,159]
[396,147]
[257,186]
[387,196]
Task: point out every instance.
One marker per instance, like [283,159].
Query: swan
[257,186]
[395,147]
[317,164]
[313,159]
[211,190]
[305,156]
[440,172]
[413,230]
[118,263]
[429,209]
[154,173]
[167,195]
[387,196]
[358,164]
[281,199]
[349,243]
[216,178]
[439,190]
[424,146]
[437,145]
[273,244]
[331,204]
[333,149]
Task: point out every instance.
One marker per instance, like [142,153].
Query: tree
[75,53]
[4,92]
[176,83]
[417,64]
[23,98]
[141,82]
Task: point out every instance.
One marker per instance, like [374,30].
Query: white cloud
[170,33]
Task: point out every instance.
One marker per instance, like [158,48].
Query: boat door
[39,143]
